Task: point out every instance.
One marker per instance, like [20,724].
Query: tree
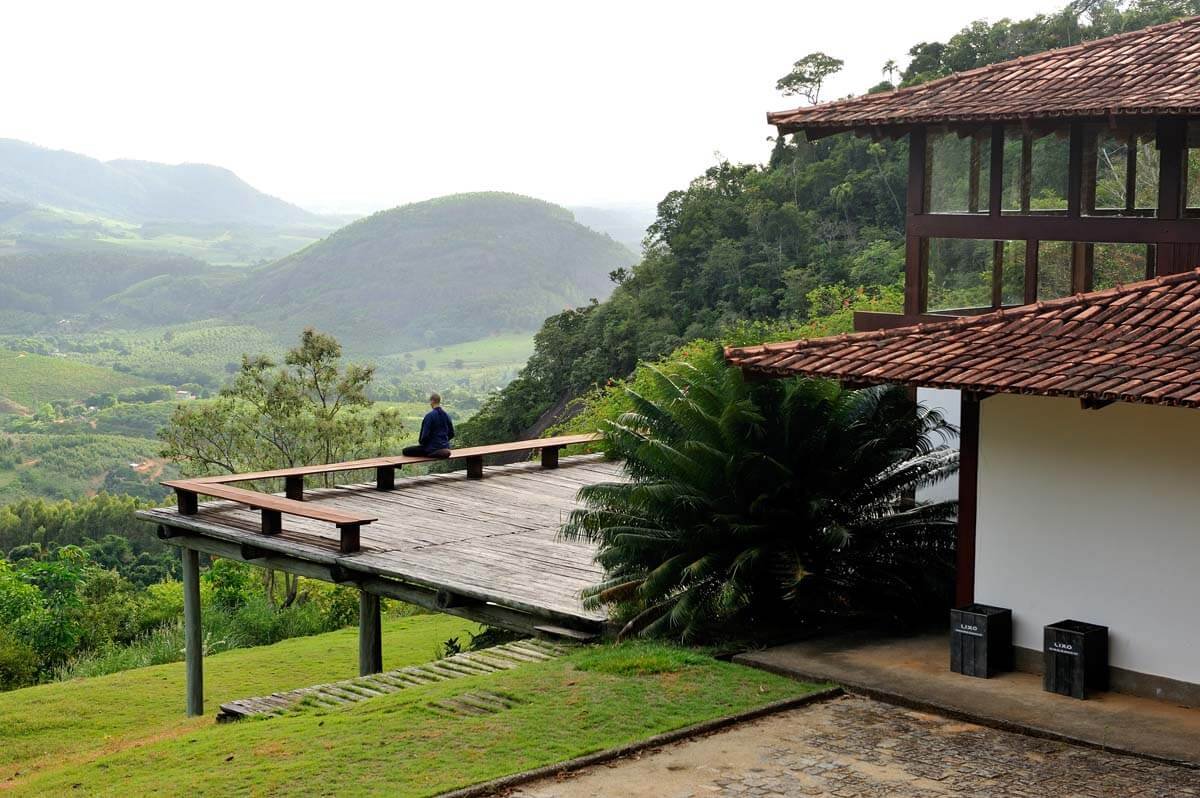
[807,76]
[748,505]
[309,410]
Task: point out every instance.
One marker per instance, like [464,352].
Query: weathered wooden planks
[494,541]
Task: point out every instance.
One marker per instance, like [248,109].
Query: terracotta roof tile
[1152,356]
[1150,72]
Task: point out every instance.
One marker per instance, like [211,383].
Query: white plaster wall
[1094,515]
[949,404]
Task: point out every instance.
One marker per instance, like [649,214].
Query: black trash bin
[980,640]
[1075,658]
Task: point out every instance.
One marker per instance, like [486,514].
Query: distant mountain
[137,191]
[624,223]
[442,271]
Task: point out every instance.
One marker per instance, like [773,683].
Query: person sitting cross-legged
[436,431]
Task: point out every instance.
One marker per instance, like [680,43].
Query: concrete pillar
[192,633]
[370,634]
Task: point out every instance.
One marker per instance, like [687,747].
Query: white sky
[357,106]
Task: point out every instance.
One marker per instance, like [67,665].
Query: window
[959,274]
[1012,273]
[959,171]
[1124,171]
[1054,269]
[1192,165]
[1118,264]
[1035,170]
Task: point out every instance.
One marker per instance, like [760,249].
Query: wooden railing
[349,525]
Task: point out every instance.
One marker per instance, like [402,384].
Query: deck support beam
[192,634]
[370,634]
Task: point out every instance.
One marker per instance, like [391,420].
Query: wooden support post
[1075,170]
[272,522]
[973,177]
[192,634]
[475,467]
[1026,170]
[1081,267]
[187,500]
[1171,140]
[1130,174]
[997,273]
[917,203]
[385,478]
[968,487]
[996,173]
[370,634]
[550,456]
[1031,271]
[350,538]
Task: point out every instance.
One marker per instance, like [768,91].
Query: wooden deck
[485,549]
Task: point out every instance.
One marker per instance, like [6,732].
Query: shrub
[752,505]
[18,662]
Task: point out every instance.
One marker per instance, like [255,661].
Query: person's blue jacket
[436,430]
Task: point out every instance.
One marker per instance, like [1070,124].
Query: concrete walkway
[915,672]
[856,747]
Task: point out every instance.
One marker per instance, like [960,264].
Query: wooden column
[968,486]
[914,251]
[370,634]
[192,633]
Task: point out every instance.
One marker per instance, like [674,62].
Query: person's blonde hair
[435,398]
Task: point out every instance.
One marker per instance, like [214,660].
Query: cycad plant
[749,505]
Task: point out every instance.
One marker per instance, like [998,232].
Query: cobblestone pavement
[857,748]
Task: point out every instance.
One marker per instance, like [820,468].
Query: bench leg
[385,478]
[272,522]
[193,640]
[370,634]
[550,456]
[350,538]
[187,501]
[294,488]
[475,467]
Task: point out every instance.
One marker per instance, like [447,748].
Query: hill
[442,271]
[137,190]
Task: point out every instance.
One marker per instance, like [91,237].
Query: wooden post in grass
[370,634]
[193,637]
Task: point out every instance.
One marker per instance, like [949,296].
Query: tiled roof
[1150,72]
[1134,343]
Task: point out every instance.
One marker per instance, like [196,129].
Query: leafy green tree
[808,75]
[311,409]
[749,505]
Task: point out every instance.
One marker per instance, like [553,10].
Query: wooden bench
[273,507]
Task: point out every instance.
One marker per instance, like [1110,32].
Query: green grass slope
[396,745]
[62,725]
[438,272]
[30,379]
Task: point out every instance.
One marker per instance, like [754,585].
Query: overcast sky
[357,106]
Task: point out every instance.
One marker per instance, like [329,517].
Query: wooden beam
[1081,267]
[1051,227]
[997,274]
[1131,153]
[370,634]
[973,178]
[1088,173]
[968,490]
[192,633]
[1026,170]
[868,320]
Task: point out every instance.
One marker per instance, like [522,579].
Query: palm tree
[760,503]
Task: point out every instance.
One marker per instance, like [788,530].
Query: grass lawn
[29,379]
[395,745]
[52,726]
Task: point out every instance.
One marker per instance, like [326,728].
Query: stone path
[468,663]
[857,748]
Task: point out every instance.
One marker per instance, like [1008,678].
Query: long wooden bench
[292,503]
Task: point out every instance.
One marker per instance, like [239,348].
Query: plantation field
[71,466]
[125,734]
[30,379]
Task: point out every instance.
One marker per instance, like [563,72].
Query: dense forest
[820,221]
